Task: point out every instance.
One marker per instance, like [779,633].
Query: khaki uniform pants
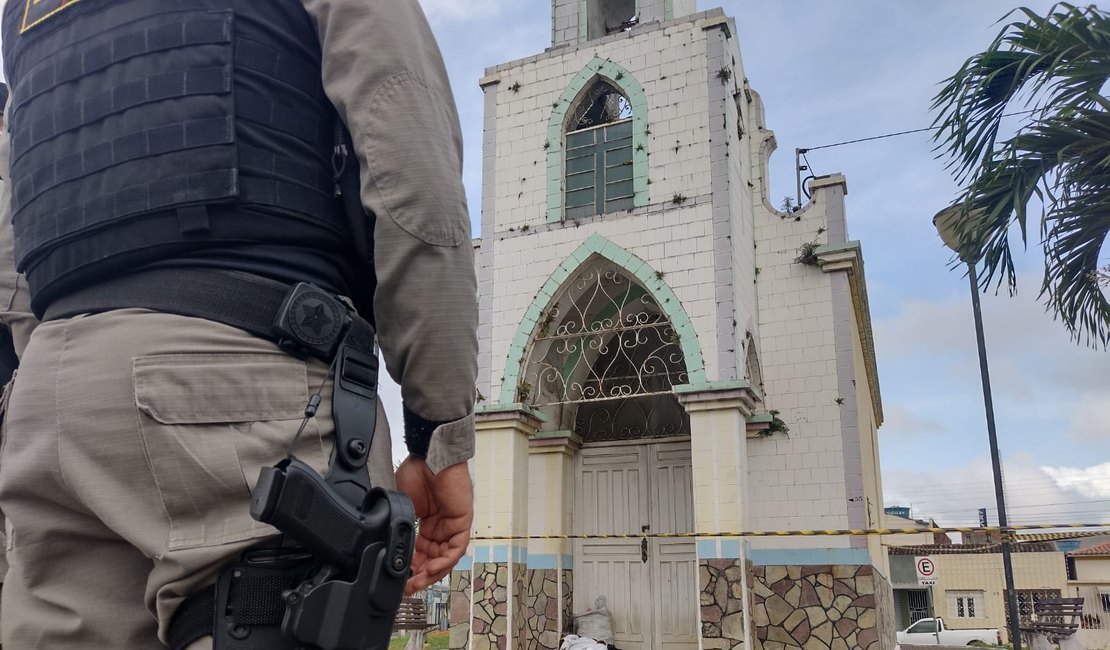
[131,443]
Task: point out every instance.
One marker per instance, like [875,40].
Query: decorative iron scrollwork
[602,104]
[608,347]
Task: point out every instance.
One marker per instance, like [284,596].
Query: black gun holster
[336,580]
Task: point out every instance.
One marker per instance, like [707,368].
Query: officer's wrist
[418,433]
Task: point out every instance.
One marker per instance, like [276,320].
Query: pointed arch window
[599,159]
[604,360]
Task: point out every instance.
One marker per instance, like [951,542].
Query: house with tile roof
[1088,570]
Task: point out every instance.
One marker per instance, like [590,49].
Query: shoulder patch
[38,11]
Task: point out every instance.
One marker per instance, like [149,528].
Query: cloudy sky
[835,71]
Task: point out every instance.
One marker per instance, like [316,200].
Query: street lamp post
[946,222]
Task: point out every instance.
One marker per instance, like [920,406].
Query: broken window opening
[624,26]
[603,104]
[604,17]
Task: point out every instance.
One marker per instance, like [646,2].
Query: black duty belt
[303,319]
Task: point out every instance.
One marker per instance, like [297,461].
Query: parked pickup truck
[933,631]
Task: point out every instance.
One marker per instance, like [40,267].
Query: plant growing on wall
[523,391]
[775,426]
[807,254]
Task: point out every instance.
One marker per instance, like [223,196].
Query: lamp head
[954,224]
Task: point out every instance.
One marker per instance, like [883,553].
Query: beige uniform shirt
[384,72]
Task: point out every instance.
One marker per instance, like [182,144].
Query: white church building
[662,351]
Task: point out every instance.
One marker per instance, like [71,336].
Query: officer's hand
[444,504]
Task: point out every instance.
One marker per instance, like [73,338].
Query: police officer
[159,146]
[16,319]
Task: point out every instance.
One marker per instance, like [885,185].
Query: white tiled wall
[794,481]
[670,65]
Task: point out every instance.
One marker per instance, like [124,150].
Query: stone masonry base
[722,603]
[459,611]
[818,607]
[821,608]
[541,604]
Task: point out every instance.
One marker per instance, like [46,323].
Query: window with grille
[1027,600]
[599,167]
[605,359]
[965,604]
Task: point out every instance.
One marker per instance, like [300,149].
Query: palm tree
[1051,71]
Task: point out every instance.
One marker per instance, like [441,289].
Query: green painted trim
[583,28]
[643,272]
[622,79]
[761,418]
[668,10]
[509,407]
[553,435]
[704,386]
[836,248]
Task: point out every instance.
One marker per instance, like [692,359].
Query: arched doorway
[603,362]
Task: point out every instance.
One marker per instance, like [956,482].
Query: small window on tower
[605,17]
[599,163]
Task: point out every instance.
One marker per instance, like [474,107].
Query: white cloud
[1091,482]
[904,422]
[1011,324]
[953,494]
[1090,419]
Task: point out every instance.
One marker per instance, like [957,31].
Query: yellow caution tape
[1008,531]
[1058,537]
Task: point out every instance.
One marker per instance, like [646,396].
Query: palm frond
[1055,67]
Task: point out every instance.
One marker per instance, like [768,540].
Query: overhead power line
[801,152]
[894,135]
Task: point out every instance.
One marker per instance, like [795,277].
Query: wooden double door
[651,586]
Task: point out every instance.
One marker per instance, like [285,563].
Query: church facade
[666,360]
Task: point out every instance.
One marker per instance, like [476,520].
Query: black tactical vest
[149,130]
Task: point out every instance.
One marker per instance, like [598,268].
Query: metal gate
[918,601]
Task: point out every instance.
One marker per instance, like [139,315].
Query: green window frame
[578,109]
[599,170]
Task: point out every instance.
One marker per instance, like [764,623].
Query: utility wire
[959,490]
[1088,505]
[944,499]
[893,135]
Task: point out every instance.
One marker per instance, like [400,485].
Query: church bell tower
[657,373]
